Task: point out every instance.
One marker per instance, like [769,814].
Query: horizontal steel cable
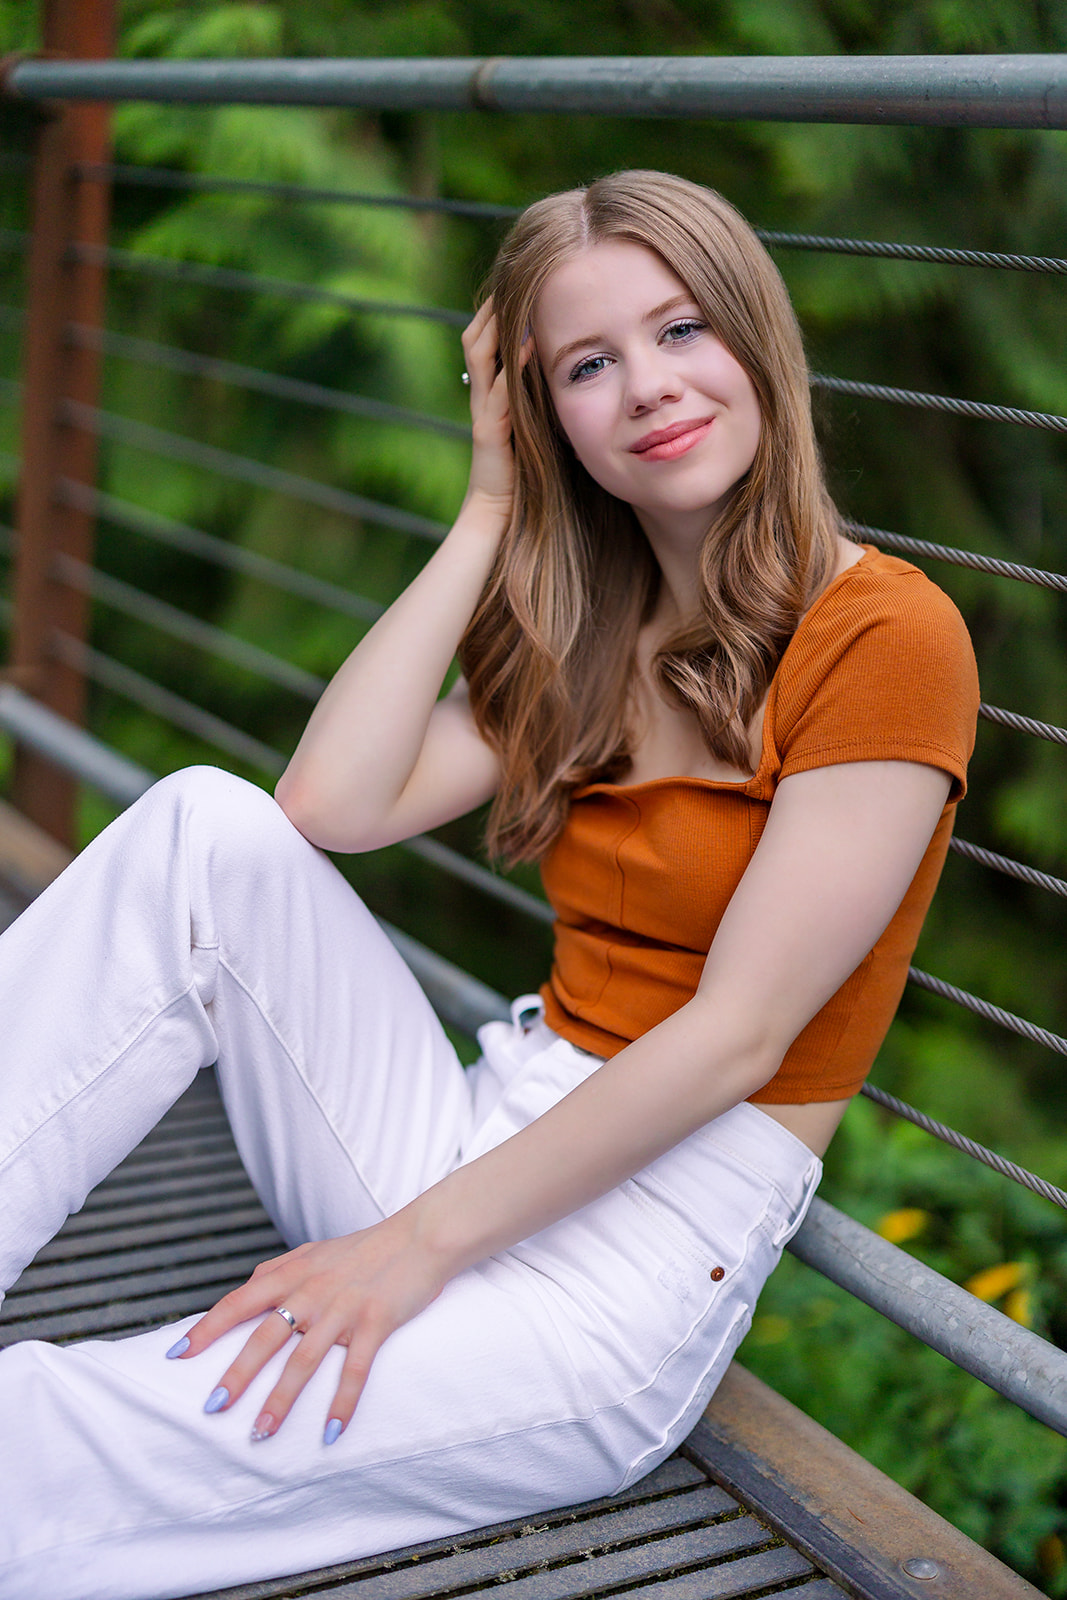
[167,178]
[988,1011]
[233,278]
[173,708]
[177,447]
[958,558]
[468,871]
[1012,869]
[829,244]
[220,552]
[911,252]
[1021,724]
[192,364]
[969,1147]
[181,625]
[940,402]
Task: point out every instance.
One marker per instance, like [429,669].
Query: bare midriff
[814,1123]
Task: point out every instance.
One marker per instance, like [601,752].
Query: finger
[272,1335]
[301,1366]
[482,354]
[262,1292]
[354,1375]
[477,323]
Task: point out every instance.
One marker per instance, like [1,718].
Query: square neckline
[743,785]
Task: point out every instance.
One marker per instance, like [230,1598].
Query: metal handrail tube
[220,552]
[181,625]
[257,283]
[125,430]
[995,91]
[192,364]
[1011,1359]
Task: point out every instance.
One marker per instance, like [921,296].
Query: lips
[667,443]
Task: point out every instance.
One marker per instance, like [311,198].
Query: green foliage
[989,335]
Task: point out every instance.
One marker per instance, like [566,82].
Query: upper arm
[840,848]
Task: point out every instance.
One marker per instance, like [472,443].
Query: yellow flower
[1017,1307]
[770,1329]
[900,1226]
[992,1282]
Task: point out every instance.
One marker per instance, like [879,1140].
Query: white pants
[202,926]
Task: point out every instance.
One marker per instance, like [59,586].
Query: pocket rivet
[718,1274]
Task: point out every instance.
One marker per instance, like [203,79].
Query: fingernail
[217,1399]
[178,1349]
[333,1431]
[264,1426]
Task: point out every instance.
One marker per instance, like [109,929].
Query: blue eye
[681,332]
[587,369]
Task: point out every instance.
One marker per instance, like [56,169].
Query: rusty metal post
[65,208]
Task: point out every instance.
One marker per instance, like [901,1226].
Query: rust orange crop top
[880,668]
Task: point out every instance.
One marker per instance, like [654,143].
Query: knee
[225,809]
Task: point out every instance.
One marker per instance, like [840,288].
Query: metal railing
[959,91]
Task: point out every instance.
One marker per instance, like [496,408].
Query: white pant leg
[557,1371]
[201,925]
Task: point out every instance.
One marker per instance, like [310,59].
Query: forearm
[639,1104]
[364,737]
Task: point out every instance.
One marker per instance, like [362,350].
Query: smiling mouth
[668,443]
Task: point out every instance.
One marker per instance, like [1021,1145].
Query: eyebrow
[683,299]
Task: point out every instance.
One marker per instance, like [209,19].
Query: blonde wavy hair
[549,653]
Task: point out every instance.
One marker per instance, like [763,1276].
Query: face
[656,408]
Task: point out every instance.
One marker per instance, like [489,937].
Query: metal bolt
[921,1567]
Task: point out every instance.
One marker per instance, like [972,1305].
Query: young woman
[735,740]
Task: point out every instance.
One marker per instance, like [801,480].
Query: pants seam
[301,1077]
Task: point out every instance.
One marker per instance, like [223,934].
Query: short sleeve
[881,669]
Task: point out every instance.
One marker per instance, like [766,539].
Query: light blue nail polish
[178,1349]
[333,1431]
[216,1399]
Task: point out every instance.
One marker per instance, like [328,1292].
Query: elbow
[297,804]
[327,821]
[748,1048]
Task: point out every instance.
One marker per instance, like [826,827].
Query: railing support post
[65,208]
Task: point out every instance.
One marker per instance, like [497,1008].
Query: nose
[652,380]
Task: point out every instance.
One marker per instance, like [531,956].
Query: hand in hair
[492,460]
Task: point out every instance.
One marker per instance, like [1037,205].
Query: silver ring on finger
[465,379]
[288,1315]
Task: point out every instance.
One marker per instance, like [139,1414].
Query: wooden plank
[854,1522]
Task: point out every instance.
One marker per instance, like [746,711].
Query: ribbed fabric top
[880,668]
